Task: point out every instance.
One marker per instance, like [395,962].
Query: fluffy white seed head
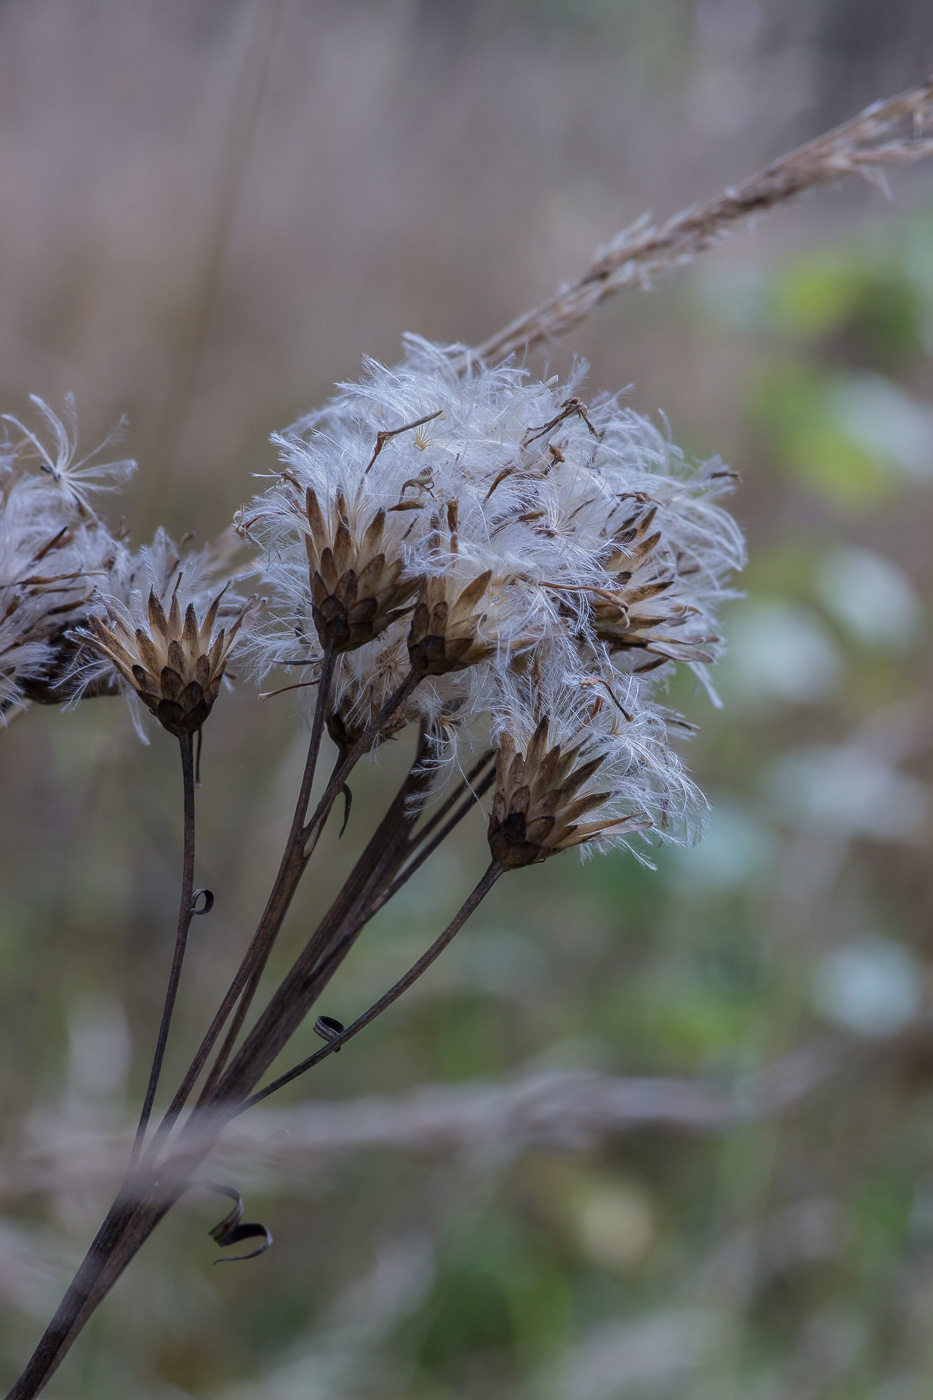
[539,562]
[164,620]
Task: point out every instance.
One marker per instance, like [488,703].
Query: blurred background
[639,1133]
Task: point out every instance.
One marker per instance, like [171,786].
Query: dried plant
[449,547]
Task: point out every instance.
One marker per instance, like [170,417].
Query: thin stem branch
[375,881]
[343,769]
[145,1199]
[289,873]
[262,953]
[348,914]
[372,882]
[417,969]
[424,849]
[185,913]
[390,847]
[302,841]
[325,681]
[465,785]
[299,848]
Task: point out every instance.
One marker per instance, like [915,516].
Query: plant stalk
[301,809]
[147,1197]
[291,868]
[150,1190]
[185,914]
[417,969]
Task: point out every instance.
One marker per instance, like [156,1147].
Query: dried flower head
[162,631]
[361,691]
[175,664]
[543,795]
[647,609]
[446,626]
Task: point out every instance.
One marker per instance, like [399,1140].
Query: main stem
[149,1191]
[128,1224]
[147,1195]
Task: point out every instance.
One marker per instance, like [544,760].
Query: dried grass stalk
[884,136]
[562,1109]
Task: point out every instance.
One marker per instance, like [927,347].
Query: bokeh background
[211,210]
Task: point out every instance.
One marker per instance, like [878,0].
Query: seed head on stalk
[175,664]
[163,632]
[603,560]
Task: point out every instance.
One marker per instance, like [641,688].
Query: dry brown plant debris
[885,136]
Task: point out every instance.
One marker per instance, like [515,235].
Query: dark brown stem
[145,1198]
[348,763]
[282,1017]
[465,785]
[376,878]
[385,852]
[301,810]
[301,845]
[289,873]
[416,970]
[420,849]
[185,913]
[134,1215]
[148,1195]
[399,820]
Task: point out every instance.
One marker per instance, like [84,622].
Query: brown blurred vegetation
[211,212]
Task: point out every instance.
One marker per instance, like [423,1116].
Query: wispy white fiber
[54,551]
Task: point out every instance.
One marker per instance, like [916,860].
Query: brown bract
[357,590]
[644,610]
[175,665]
[444,633]
[346,733]
[538,807]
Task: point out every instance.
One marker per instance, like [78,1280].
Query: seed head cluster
[479,554]
[533,566]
